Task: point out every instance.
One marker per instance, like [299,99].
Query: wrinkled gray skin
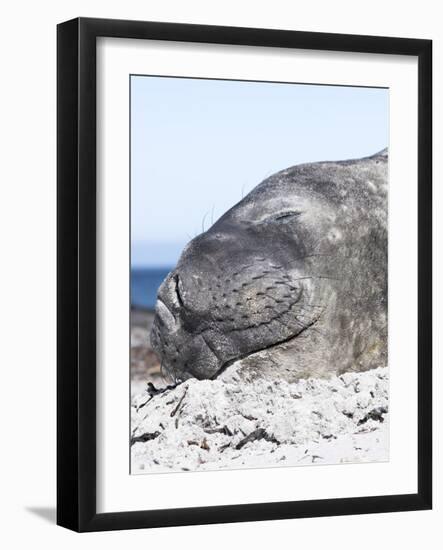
[292,280]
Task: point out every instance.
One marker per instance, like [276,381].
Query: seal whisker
[203,222]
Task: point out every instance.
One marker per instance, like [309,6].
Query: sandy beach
[225,423]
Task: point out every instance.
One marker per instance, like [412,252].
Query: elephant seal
[291,281]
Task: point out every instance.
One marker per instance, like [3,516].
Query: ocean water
[144,285]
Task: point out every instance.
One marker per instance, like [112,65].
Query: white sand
[202,425]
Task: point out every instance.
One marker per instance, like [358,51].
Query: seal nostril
[177,291]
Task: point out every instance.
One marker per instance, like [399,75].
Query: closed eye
[283,217]
[289,214]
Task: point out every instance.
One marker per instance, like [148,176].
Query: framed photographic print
[244,274]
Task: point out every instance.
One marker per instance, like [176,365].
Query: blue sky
[198,146]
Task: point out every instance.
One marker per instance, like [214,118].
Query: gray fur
[291,281]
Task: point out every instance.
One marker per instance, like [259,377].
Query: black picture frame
[76,280]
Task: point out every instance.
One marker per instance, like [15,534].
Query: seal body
[291,281]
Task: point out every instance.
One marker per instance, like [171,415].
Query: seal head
[291,280]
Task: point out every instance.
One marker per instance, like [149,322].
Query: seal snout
[208,318]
